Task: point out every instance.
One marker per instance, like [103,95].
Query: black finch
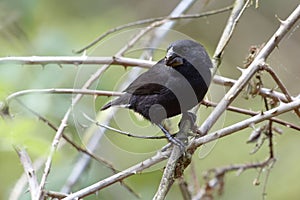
[172,86]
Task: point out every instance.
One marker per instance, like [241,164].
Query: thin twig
[280,85]
[55,195]
[265,92]
[123,132]
[184,189]
[236,13]
[151,20]
[22,183]
[62,91]
[53,148]
[160,156]
[76,60]
[217,182]
[282,108]
[29,171]
[220,80]
[253,113]
[194,178]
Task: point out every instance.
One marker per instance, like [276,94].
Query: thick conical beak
[172,59]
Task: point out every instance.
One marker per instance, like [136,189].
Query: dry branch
[251,70]
[29,171]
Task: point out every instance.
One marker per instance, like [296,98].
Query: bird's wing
[150,82]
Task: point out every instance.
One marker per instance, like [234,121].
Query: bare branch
[152,20]
[184,189]
[217,182]
[123,132]
[283,108]
[169,174]
[253,113]
[55,195]
[280,85]
[238,10]
[217,79]
[251,70]
[76,60]
[18,189]
[265,92]
[160,156]
[62,91]
[48,162]
[29,171]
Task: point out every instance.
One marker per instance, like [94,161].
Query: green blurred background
[56,28]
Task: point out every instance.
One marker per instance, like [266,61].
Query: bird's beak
[173,59]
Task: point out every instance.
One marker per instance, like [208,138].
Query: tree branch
[280,85]
[251,70]
[282,108]
[29,171]
[238,10]
[217,182]
[152,20]
[168,177]
[76,60]
[160,156]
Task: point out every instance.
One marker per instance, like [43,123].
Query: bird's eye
[173,60]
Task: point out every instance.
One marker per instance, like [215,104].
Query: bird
[172,86]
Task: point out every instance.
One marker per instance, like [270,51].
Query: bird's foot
[189,116]
[192,118]
[173,140]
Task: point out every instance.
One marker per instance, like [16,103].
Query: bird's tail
[122,101]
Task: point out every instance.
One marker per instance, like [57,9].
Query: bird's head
[192,52]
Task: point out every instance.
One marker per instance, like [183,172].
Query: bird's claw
[173,140]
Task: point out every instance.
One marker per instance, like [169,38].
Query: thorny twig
[238,10]
[152,20]
[29,171]
[253,113]
[124,132]
[280,84]
[215,177]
